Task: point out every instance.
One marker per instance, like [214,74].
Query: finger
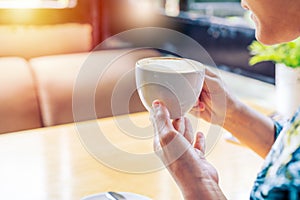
[188,131]
[179,125]
[156,145]
[161,117]
[203,115]
[199,105]
[210,73]
[196,112]
[162,123]
[209,84]
[200,142]
[205,98]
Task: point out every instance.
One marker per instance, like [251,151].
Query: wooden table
[52,163]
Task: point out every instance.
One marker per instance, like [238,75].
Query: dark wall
[227,45]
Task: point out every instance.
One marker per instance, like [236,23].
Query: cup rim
[199,69]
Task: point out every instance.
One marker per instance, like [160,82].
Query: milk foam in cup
[175,81]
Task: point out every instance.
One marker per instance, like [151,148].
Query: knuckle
[160,116]
[157,148]
[167,137]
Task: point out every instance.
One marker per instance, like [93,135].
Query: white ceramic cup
[175,81]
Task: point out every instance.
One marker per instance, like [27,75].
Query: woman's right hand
[215,103]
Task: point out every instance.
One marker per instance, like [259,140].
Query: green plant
[286,53]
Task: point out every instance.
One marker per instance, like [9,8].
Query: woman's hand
[185,161]
[215,103]
[217,106]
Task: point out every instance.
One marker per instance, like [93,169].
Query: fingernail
[182,125]
[201,105]
[155,104]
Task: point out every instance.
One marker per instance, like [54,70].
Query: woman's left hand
[184,159]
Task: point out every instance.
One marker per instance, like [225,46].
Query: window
[217,8]
[223,28]
[37,3]
[216,0]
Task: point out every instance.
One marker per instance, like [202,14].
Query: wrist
[234,110]
[205,188]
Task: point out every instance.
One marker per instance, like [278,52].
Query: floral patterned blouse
[280,175]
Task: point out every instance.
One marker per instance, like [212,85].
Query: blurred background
[31,28]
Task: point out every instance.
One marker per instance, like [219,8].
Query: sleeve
[278,127]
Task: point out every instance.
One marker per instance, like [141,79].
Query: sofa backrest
[39,92]
[29,41]
[56,76]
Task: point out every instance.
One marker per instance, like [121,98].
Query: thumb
[161,117]
[200,142]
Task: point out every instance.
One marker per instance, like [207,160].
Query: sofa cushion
[19,108]
[56,76]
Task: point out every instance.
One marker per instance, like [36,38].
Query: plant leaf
[286,53]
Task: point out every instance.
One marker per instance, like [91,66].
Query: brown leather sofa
[38,92]
[19,104]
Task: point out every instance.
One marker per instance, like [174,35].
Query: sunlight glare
[144,8]
[23,4]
